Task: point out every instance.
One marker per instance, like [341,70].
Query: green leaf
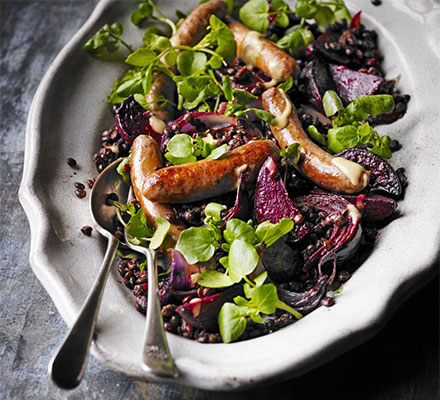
[141,57]
[265,298]
[116,29]
[238,229]
[227,88]
[332,142]
[324,16]
[269,233]
[332,103]
[196,244]
[244,98]
[190,62]
[260,279]
[347,135]
[264,115]
[315,134]
[362,107]
[232,322]
[223,37]
[306,9]
[218,152]
[254,15]
[180,160]
[181,146]
[137,226]
[214,279]
[144,11]
[214,210]
[292,153]
[123,169]
[287,85]
[163,226]
[243,259]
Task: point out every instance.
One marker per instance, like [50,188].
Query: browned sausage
[207,178]
[193,28]
[158,86]
[145,159]
[332,173]
[255,50]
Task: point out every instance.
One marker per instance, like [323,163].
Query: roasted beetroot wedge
[374,207]
[383,178]
[202,312]
[352,84]
[306,302]
[133,120]
[344,220]
[272,202]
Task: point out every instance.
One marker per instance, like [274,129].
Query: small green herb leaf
[214,279]
[269,233]
[243,259]
[163,226]
[332,103]
[214,210]
[238,229]
[254,15]
[232,322]
[196,244]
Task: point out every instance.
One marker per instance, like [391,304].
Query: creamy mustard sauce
[350,169]
[157,124]
[354,212]
[270,84]
[251,47]
[282,121]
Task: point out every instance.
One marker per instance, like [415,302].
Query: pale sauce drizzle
[282,121]
[251,47]
[157,124]
[350,169]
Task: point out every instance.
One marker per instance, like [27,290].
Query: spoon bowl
[70,360]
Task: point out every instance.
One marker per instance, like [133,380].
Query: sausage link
[255,50]
[193,28]
[315,163]
[158,86]
[207,178]
[145,159]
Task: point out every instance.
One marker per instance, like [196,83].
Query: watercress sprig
[260,299]
[239,99]
[107,38]
[349,126]
[137,227]
[145,11]
[183,149]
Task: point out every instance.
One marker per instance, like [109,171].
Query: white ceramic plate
[67,115]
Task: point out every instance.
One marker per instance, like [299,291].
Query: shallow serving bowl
[70,110]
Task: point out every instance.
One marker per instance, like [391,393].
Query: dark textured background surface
[400,363]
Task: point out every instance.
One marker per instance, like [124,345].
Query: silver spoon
[70,360]
[156,355]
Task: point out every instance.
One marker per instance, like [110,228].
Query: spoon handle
[69,362]
[156,353]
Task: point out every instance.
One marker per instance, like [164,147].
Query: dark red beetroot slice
[345,238]
[311,88]
[133,120]
[306,302]
[373,207]
[241,207]
[352,84]
[202,312]
[383,178]
[272,202]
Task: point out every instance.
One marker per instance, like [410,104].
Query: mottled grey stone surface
[400,363]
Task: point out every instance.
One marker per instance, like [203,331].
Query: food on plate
[248,134]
